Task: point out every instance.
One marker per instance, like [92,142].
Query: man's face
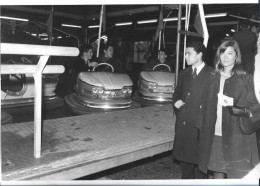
[192,57]
[87,55]
[109,52]
[162,56]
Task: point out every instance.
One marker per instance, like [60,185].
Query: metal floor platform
[77,146]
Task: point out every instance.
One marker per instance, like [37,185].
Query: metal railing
[37,70]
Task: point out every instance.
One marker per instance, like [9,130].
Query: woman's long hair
[221,49]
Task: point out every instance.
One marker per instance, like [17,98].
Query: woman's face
[228,58]
[87,55]
[109,52]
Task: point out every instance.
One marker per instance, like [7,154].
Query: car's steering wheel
[105,67]
[162,67]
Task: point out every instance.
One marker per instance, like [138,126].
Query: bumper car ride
[100,91]
[17,93]
[155,87]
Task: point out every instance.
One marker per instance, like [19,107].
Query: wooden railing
[37,71]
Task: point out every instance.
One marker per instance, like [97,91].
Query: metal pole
[38,105]
[160,35]
[100,27]
[52,9]
[239,17]
[204,25]
[187,22]
[178,45]
[86,35]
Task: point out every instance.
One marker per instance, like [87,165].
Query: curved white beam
[42,50]
[30,69]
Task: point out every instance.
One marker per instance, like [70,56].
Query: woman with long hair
[223,150]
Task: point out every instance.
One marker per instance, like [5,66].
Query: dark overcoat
[189,116]
[240,151]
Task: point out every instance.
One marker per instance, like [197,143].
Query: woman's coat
[240,151]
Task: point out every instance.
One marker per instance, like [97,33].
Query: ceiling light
[233,30]
[93,26]
[216,15]
[183,18]
[74,26]
[173,19]
[43,34]
[13,18]
[147,21]
[227,35]
[125,23]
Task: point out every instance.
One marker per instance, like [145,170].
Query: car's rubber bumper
[150,100]
[77,106]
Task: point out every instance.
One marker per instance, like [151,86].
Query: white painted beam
[43,50]
[30,69]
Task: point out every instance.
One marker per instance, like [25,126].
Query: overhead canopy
[86,15]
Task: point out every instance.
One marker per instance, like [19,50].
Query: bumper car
[17,92]
[155,87]
[100,90]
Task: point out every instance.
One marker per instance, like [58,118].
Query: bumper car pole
[38,105]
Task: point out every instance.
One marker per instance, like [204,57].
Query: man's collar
[199,68]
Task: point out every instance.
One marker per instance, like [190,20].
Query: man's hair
[244,23]
[84,48]
[198,46]
[162,50]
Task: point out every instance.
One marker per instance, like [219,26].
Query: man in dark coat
[121,51]
[246,40]
[187,103]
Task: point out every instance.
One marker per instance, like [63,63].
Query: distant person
[83,63]
[121,51]
[255,28]
[187,104]
[246,40]
[223,149]
[107,57]
[86,55]
[257,70]
[161,59]
[257,80]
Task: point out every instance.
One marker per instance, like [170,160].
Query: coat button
[184,123]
